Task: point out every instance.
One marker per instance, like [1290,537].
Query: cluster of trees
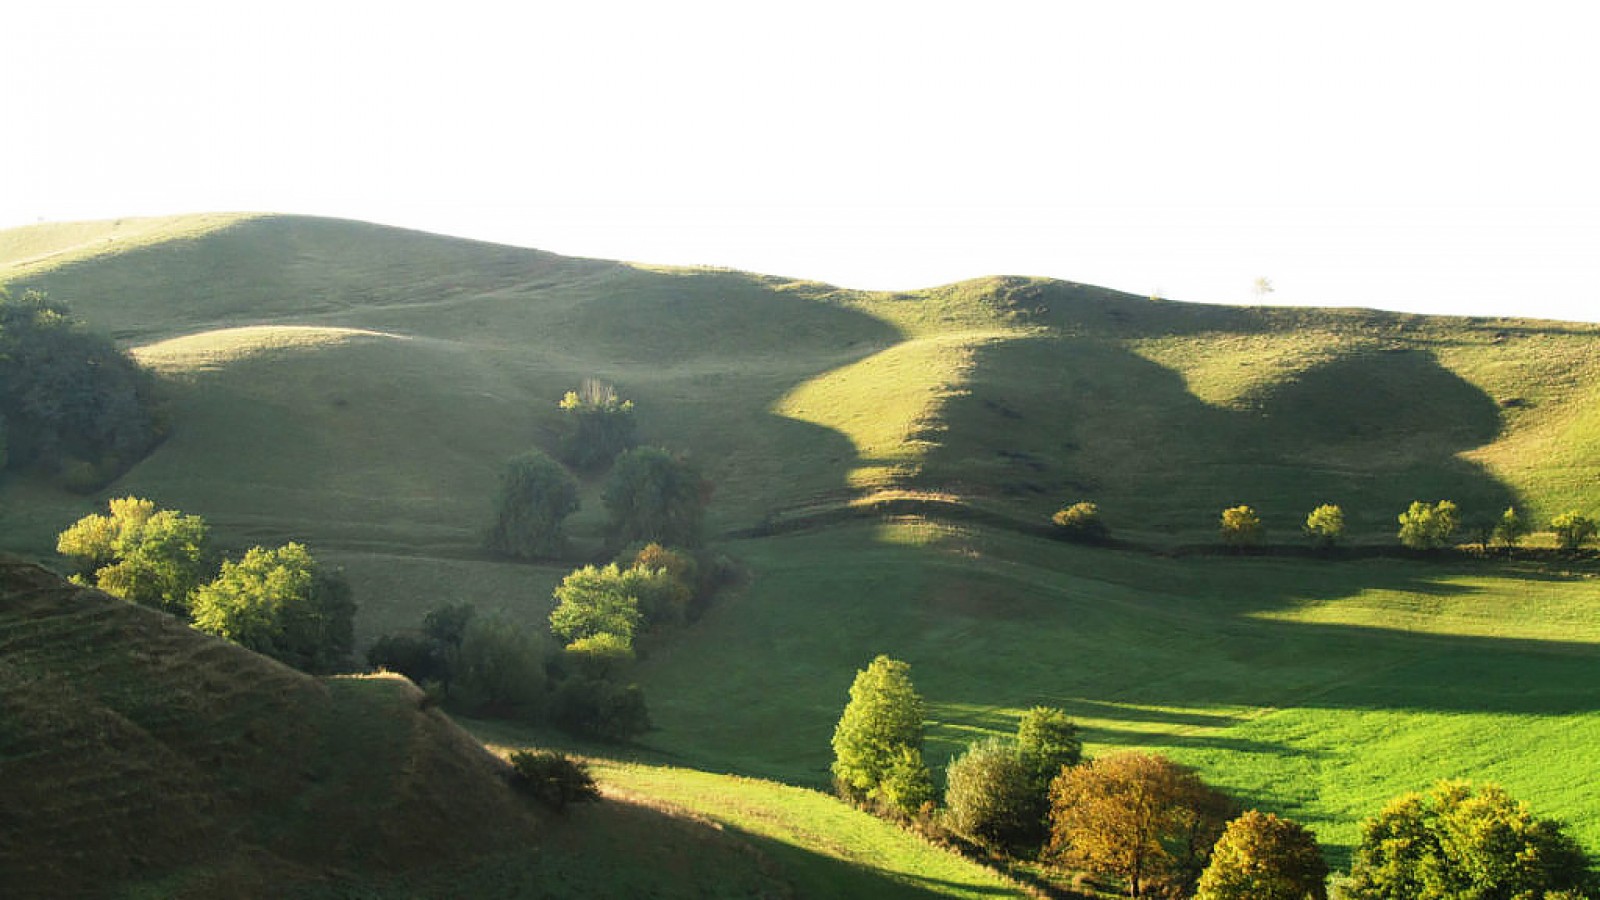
[1423,526]
[279,602]
[72,406]
[649,494]
[1158,830]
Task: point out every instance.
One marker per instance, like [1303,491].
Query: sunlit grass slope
[1314,688]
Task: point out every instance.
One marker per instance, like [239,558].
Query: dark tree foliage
[428,656]
[653,495]
[536,496]
[600,708]
[598,423]
[552,778]
[1081,522]
[73,406]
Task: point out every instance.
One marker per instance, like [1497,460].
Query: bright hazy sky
[1438,157]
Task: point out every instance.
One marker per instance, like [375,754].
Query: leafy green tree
[601,708]
[1460,842]
[599,425]
[536,496]
[553,778]
[1241,527]
[1325,525]
[1136,816]
[992,797]
[1048,740]
[1263,857]
[907,786]
[281,604]
[150,557]
[880,724]
[74,406]
[1429,526]
[1081,522]
[1573,529]
[592,601]
[652,495]
[499,669]
[1509,531]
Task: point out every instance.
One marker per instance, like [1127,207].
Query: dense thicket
[72,405]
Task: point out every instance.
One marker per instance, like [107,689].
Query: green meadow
[884,467]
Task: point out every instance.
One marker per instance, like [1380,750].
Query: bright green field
[359,388]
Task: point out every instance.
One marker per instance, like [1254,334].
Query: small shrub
[600,708]
[1081,522]
[1429,526]
[1325,525]
[1508,532]
[1241,527]
[553,779]
[1573,529]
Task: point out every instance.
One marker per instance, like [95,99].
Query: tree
[1049,742]
[553,778]
[536,496]
[992,797]
[599,424]
[1325,525]
[281,604]
[74,406]
[1263,857]
[429,656]
[655,496]
[592,601]
[150,557]
[882,720]
[1136,816]
[1573,529]
[600,708]
[1428,526]
[1241,527]
[1509,531]
[1460,842]
[499,669]
[1081,522]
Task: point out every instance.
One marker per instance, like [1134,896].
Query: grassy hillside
[359,388]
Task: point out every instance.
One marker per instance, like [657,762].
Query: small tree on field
[592,601]
[1458,841]
[1429,526]
[1081,522]
[599,424]
[655,496]
[1325,525]
[992,797]
[1136,816]
[150,557]
[1048,741]
[1509,531]
[1573,529]
[552,778]
[1263,857]
[879,734]
[536,496]
[1241,527]
[499,669]
[282,604]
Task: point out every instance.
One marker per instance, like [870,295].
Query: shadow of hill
[1048,420]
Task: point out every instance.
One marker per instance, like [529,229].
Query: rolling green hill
[883,466]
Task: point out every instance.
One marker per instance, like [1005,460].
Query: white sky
[1438,157]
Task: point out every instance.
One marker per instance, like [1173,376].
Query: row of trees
[1423,526]
[278,602]
[72,406]
[1156,828]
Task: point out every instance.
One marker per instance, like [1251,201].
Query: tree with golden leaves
[1263,857]
[1136,816]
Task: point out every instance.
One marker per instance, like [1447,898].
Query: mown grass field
[359,388]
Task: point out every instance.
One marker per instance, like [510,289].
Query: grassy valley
[884,466]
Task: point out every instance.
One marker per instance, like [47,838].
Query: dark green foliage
[447,625]
[600,708]
[1429,526]
[74,406]
[413,655]
[499,669]
[599,425]
[1081,522]
[993,798]
[536,496]
[879,733]
[653,495]
[282,604]
[552,778]
[1458,842]
[1263,857]
[153,558]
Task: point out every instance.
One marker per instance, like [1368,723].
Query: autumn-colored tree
[1240,526]
[1429,526]
[1263,857]
[1081,522]
[1138,817]
[1325,525]
[1510,529]
[1573,529]
[879,735]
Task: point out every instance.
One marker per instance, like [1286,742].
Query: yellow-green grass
[1303,686]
